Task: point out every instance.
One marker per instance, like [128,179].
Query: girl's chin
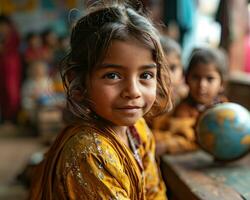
[203,101]
[126,122]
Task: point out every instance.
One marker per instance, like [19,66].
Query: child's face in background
[204,83]
[51,39]
[39,70]
[175,66]
[123,88]
[36,41]
[179,88]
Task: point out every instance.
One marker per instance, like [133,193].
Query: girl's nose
[203,83]
[131,90]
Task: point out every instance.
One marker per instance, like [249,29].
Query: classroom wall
[37,15]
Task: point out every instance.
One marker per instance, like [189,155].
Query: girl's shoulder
[88,144]
[87,158]
[87,140]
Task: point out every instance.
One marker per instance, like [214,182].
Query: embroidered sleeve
[92,170]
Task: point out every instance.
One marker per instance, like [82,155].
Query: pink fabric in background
[10,77]
[247,54]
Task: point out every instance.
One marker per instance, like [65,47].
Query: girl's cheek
[152,95]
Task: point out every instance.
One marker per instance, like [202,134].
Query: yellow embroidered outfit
[88,163]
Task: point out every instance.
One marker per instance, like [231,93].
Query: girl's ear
[77,95]
[186,80]
[222,88]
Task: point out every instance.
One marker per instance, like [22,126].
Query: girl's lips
[202,94]
[130,107]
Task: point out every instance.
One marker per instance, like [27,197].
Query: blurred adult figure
[10,68]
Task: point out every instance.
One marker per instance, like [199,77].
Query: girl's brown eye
[112,75]
[172,67]
[210,78]
[147,75]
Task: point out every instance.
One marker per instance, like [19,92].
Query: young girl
[206,77]
[172,52]
[112,77]
[159,124]
[179,90]
[36,87]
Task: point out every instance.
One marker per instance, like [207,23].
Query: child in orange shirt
[206,77]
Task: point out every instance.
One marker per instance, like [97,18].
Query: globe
[224,131]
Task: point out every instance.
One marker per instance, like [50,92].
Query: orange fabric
[178,138]
[188,108]
[175,133]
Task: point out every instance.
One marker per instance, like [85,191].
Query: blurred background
[34,37]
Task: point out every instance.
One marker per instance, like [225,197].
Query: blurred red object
[10,68]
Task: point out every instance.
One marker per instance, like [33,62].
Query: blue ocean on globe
[224,131]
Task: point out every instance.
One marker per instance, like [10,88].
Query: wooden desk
[238,89]
[197,176]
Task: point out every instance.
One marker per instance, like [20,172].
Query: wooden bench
[238,89]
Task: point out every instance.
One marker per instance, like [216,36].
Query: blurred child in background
[37,89]
[172,52]
[179,89]
[206,77]
[50,44]
[34,50]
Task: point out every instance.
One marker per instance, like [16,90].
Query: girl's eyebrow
[110,65]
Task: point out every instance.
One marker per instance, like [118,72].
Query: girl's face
[205,83]
[36,41]
[39,70]
[174,62]
[123,88]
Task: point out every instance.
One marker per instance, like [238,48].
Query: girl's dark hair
[169,45]
[90,38]
[209,56]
